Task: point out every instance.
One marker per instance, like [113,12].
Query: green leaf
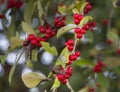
[32,79]
[3,58]
[34,55]
[102,80]
[49,49]
[62,9]
[15,42]
[114,37]
[13,68]
[84,62]
[74,10]
[29,64]
[27,28]
[29,11]
[56,84]
[82,6]
[40,10]
[85,20]
[65,29]
[63,58]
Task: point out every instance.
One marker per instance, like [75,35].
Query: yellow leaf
[32,79]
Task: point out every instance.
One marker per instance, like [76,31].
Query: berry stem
[69,86]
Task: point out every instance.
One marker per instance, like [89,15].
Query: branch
[69,86]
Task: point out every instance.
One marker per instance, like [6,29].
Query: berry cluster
[65,75]
[60,21]
[87,8]
[35,41]
[77,18]
[98,67]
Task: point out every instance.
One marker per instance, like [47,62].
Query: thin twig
[69,86]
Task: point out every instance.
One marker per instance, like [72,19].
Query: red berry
[70,42]
[89,7]
[79,36]
[80,17]
[76,21]
[34,42]
[83,31]
[70,48]
[42,29]
[76,16]
[77,53]
[60,77]
[77,30]
[72,57]
[66,76]
[64,81]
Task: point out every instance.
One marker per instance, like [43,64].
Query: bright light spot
[34,90]
[13,56]
[47,58]
[1,70]
[84,39]
[26,70]
[106,73]
[4,43]
[8,17]
[23,36]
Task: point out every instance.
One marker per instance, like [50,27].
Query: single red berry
[79,36]
[77,53]
[88,7]
[34,42]
[80,17]
[60,77]
[70,48]
[66,76]
[86,27]
[25,43]
[76,16]
[109,41]
[70,42]
[76,21]
[77,30]
[83,31]
[42,29]
[64,81]
[72,57]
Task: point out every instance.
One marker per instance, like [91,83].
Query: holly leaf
[15,42]
[62,9]
[74,10]
[32,79]
[85,20]
[3,58]
[34,55]
[63,58]
[29,11]
[27,28]
[82,6]
[65,29]
[49,49]
[84,62]
[56,84]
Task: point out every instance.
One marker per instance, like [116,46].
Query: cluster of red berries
[65,75]
[35,41]
[60,21]
[77,18]
[87,8]
[98,67]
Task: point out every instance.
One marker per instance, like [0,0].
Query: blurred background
[101,42]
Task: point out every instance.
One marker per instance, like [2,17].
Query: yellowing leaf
[49,49]
[85,20]
[65,29]
[74,10]
[34,55]
[32,79]
[15,42]
[85,89]
[27,28]
[56,84]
